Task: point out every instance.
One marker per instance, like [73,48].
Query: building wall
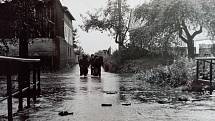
[64,37]
[68,34]
[68,29]
[45,49]
[63,40]
[58,18]
[42,47]
[66,52]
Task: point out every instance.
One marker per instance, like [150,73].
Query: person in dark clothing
[92,64]
[96,69]
[98,64]
[83,64]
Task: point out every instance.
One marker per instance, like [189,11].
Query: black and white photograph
[107,60]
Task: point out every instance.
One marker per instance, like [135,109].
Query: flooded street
[161,54]
[131,100]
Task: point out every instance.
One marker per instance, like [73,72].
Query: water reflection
[84,96]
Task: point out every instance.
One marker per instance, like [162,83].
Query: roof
[66,10]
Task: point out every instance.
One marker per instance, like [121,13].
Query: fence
[22,67]
[207,74]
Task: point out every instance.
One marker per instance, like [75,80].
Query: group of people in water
[95,62]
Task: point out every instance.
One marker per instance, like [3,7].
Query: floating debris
[107,104]
[126,104]
[110,92]
[65,113]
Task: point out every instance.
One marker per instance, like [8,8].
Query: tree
[166,20]
[76,45]
[79,50]
[22,22]
[75,38]
[114,18]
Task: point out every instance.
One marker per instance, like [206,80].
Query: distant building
[206,50]
[56,48]
[104,53]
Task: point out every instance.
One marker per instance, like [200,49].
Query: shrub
[181,72]
[113,63]
[118,58]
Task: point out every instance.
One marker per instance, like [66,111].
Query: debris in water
[106,104]
[126,104]
[65,113]
[110,92]
[139,113]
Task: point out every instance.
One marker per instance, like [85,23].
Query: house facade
[55,46]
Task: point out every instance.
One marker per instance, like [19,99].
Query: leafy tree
[114,18]
[21,22]
[78,49]
[75,38]
[163,21]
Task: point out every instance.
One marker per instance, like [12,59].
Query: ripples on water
[66,91]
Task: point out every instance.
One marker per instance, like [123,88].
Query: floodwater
[130,99]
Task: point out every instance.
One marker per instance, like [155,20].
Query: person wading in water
[83,64]
[98,61]
[92,64]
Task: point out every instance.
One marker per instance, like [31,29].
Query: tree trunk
[120,46]
[24,75]
[120,42]
[23,48]
[23,42]
[189,39]
[191,49]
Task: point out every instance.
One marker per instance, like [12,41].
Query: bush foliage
[119,57]
[181,72]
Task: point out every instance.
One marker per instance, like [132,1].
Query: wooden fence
[10,66]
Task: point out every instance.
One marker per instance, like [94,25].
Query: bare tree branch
[185,29]
[181,36]
[197,32]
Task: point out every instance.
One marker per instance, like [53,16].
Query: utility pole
[120,25]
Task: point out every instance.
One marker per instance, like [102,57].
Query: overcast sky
[94,40]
